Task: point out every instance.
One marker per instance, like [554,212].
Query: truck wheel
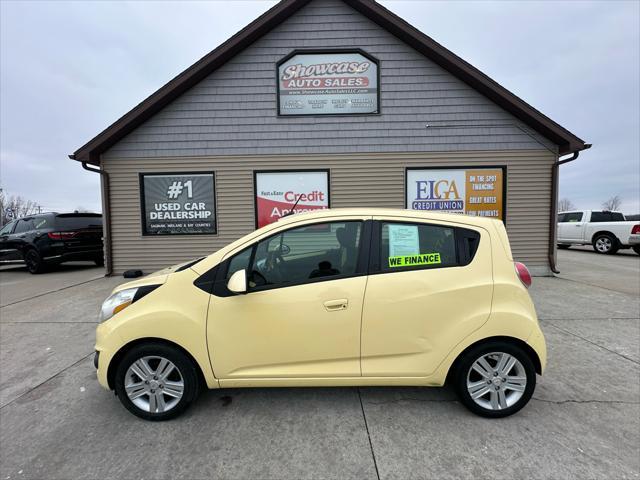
[605,243]
[636,248]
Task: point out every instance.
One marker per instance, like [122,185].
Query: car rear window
[71,222]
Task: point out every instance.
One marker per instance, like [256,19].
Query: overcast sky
[69,69]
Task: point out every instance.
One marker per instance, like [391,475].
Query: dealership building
[327,103]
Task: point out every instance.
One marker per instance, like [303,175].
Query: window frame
[375,261]
[220,289]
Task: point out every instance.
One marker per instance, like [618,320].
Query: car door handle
[336,305]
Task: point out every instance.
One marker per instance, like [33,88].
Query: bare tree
[613,203]
[19,206]
[564,205]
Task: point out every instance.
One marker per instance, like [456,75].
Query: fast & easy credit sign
[277,193]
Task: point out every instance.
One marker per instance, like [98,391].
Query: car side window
[415,246]
[300,255]
[561,217]
[6,230]
[573,217]
[24,226]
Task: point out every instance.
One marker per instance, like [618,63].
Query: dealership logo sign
[327,83]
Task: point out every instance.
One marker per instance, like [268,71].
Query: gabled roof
[566,141]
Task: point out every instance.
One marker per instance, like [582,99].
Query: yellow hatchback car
[332,298]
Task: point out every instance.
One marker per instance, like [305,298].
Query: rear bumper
[60,255]
[634,240]
[539,345]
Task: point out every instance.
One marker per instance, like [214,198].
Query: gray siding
[233,111]
[357,180]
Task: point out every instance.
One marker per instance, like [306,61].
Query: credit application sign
[328,83]
[471,191]
[278,192]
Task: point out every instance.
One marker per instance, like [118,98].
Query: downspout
[106,212]
[553,218]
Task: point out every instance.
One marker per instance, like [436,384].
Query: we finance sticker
[415,260]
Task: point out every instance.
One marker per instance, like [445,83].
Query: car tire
[563,246]
[156,382]
[33,261]
[636,248]
[488,394]
[99,261]
[606,244]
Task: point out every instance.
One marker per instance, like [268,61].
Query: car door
[301,315]
[17,240]
[571,228]
[8,252]
[430,286]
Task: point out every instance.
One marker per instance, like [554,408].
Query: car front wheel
[156,381]
[495,379]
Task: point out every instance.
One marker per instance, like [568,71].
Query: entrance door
[430,286]
[301,316]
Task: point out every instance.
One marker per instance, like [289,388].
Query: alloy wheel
[154,384]
[603,244]
[496,381]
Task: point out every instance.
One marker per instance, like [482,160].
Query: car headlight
[116,303]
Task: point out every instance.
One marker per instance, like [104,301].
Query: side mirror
[238,282]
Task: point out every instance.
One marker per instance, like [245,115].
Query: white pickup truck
[606,231]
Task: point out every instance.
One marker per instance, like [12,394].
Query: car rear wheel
[636,248]
[156,381]
[495,379]
[34,261]
[606,244]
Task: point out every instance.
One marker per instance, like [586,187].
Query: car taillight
[635,229]
[523,274]
[61,235]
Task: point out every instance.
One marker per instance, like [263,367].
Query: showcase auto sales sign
[278,192]
[328,83]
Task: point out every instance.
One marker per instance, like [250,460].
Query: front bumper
[634,240]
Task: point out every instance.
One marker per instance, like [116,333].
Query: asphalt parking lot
[584,421]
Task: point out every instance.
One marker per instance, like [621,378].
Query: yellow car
[339,297]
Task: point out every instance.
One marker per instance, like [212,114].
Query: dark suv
[52,238]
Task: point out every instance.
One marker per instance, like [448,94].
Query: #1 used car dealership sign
[327,83]
[178,204]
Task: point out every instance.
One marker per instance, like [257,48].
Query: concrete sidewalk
[56,422]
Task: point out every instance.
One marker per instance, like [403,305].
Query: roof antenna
[292,211]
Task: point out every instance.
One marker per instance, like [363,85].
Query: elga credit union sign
[178,204]
[472,191]
[327,83]
[277,193]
